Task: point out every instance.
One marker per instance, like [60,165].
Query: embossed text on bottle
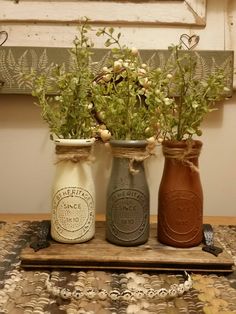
[73,212]
[127,215]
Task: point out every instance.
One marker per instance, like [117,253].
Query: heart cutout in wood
[3,37]
[190,42]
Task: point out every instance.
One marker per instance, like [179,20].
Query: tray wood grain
[100,254]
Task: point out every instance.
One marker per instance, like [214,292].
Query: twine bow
[134,154]
[183,154]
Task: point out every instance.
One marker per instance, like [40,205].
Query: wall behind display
[26,165]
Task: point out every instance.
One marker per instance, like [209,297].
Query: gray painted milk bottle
[127,212]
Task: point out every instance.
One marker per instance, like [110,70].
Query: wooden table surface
[215,220]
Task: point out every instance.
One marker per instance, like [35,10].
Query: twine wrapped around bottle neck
[73,153]
[134,154]
[183,154]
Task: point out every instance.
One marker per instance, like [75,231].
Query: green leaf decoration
[5,74]
[201,70]
[11,60]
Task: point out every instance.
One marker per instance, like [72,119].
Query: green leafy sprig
[183,98]
[119,93]
[65,96]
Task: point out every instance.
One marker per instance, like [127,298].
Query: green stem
[182,93]
[116,41]
[129,112]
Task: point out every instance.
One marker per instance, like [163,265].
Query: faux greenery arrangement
[119,93]
[65,96]
[182,95]
[129,99]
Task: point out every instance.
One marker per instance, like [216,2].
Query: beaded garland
[92,293]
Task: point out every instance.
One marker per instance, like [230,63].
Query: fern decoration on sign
[201,69]
[6,75]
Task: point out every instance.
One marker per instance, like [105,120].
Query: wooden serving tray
[100,254]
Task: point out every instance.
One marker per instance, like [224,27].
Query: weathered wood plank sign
[185,12]
[16,63]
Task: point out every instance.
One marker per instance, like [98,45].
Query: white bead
[114,294]
[187,285]
[90,293]
[151,293]
[65,293]
[162,293]
[180,289]
[77,294]
[102,294]
[139,294]
[173,292]
[126,295]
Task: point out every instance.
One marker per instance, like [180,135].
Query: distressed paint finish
[17,62]
[186,12]
[148,37]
